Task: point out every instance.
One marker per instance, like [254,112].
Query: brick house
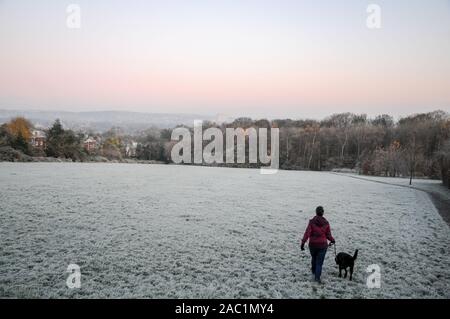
[38,139]
[90,144]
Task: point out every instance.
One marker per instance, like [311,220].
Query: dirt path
[438,193]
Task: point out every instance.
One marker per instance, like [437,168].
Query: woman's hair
[319,211]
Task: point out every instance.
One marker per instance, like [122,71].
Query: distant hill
[101,121]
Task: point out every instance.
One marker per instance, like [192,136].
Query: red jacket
[318,231]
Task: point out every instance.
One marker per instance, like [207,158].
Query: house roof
[38,134]
[90,140]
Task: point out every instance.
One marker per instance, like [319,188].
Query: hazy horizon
[208,116]
[273,59]
[219,116]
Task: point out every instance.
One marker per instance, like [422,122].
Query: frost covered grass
[181,231]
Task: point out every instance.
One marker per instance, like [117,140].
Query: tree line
[417,145]
[60,143]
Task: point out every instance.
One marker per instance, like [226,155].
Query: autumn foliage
[19,126]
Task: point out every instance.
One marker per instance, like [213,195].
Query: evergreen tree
[55,140]
[20,143]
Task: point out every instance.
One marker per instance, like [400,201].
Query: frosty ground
[172,231]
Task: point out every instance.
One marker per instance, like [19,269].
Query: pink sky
[263,58]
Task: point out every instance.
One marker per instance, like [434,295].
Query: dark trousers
[317,258]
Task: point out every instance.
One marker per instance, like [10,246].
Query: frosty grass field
[180,231]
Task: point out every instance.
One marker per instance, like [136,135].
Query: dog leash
[334,245]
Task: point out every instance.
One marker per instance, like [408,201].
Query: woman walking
[318,232]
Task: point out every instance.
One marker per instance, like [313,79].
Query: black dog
[346,261]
